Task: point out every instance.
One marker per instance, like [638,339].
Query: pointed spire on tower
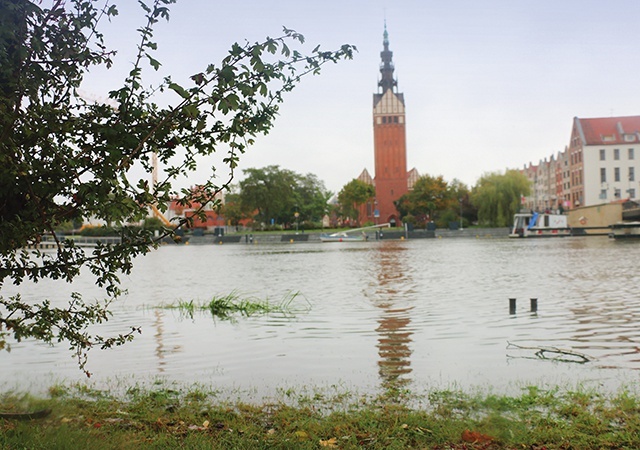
[386,66]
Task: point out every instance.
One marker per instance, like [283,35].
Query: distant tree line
[492,202]
[275,198]
[278,198]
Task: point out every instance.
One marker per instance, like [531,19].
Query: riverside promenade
[292,238]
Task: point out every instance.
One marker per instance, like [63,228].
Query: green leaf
[191,110]
[154,62]
[179,90]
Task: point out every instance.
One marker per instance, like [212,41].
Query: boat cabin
[539,225]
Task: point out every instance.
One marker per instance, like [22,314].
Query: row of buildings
[600,165]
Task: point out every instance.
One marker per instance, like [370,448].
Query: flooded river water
[431,313]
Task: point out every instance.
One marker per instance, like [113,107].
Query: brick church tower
[389,141]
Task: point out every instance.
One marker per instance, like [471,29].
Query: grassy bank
[76,417]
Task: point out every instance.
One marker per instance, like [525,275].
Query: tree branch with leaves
[63,158]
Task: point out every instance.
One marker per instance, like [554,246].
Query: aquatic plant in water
[227,307]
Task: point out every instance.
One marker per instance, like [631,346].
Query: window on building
[616,193]
[603,175]
[384,119]
[601,154]
[616,174]
[616,154]
[395,119]
[632,193]
[603,194]
[631,155]
[632,174]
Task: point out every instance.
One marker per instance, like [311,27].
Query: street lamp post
[460,214]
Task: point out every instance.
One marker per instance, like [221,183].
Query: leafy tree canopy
[497,197]
[429,196]
[352,195]
[278,194]
[63,158]
[233,210]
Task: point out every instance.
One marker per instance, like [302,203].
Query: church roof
[608,130]
[412,177]
[365,177]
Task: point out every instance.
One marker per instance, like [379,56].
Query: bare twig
[556,354]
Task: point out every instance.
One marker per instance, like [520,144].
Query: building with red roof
[598,166]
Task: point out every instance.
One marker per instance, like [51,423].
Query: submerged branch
[557,354]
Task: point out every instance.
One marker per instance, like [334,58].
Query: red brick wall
[389,141]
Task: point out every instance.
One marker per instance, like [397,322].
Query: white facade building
[611,151]
[600,165]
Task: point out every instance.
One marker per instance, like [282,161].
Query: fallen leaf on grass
[475,437]
[302,434]
[204,427]
[419,430]
[330,443]
[114,420]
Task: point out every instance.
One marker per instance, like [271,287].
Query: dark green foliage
[352,195]
[272,193]
[433,199]
[63,158]
[497,197]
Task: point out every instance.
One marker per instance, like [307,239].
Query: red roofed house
[604,156]
[598,166]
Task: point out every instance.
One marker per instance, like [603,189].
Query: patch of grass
[167,417]
[226,307]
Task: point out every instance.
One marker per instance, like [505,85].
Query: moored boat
[625,230]
[344,236]
[539,225]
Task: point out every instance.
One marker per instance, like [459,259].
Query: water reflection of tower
[158,336]
[394,330]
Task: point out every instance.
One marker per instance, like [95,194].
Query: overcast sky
[488,85]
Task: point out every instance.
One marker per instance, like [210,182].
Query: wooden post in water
[534,305]
[512,306]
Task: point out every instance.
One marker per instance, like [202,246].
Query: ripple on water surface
[427,312]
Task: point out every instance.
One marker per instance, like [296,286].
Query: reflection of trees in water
[394,332]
